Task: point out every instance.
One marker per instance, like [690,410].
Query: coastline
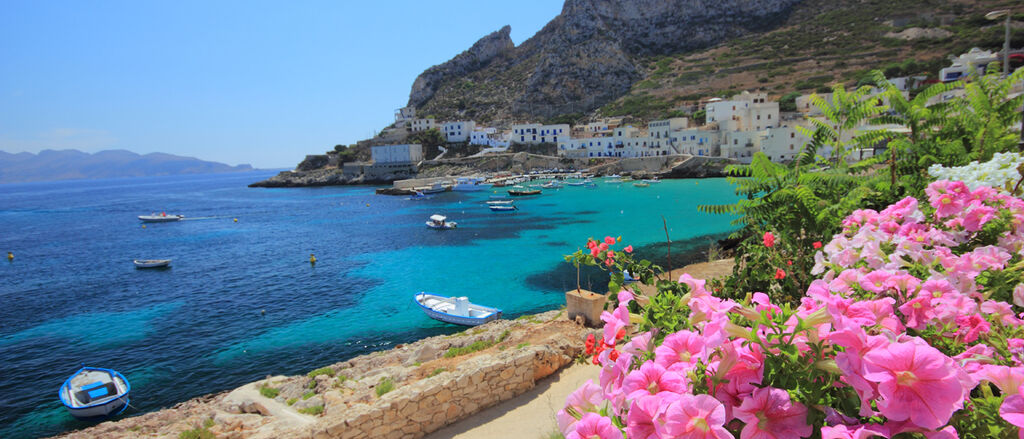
[432,388]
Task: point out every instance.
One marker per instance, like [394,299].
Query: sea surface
[241,300]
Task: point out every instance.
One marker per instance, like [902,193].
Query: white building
[404,114]
[783,144]
[696,141]
[744,112]
[418,125]
[396,154]
[662,129]
[459,131]
[974,61]
[533,133]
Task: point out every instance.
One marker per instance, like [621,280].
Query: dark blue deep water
[72,296]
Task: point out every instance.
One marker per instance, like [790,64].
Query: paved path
[527,416]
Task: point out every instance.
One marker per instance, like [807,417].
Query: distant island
[71,164]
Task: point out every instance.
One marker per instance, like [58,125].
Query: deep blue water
[72,296]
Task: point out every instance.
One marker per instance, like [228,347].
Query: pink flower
[1007,379]
[769,413]
[593,425]
[684,348]
[586,399]
[640,422]
[853,432]
[609,240]
[652,379]
[1012,409]
[971,326]
[816,245]
[769,239]
[916,382]
[628,249]
[614,322]
[695,417]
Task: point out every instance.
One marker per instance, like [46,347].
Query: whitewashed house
[404,114]
[533,133]
[744,112]
[458,131]
[974,61]
[783,144]
[696,141]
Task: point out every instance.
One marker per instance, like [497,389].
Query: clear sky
[255,82]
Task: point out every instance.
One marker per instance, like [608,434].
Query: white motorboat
[654,180]
[503,208]
[457,310]
[440,222]
[434,189]
[500,202]
[161,217]
[151,263]
[466,184]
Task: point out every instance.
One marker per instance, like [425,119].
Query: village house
[458,131]
[418,125]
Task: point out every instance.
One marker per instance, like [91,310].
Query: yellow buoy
[10,256]
[312,259]
[143,226]
[367,204]
[236,220]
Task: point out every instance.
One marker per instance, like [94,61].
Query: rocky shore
[673,166]
[406,392]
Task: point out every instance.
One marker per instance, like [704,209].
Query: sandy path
[527,416]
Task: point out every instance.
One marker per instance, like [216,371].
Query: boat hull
[503,208]
[451,318]
[104,406]
[160,218]
[152,263]
[523,193]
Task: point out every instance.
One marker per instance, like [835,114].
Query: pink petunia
[640,422]
[628,249]
[609,240]
[586,399]
[593,425]
[1012,410]
[769,413]
[694,417]
[916,382]
[769,239]
[652,379]
[684,348]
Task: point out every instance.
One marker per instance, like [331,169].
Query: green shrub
[314,410]
[269,392]
[437,371]
[321,371]
[308,395]
[386,385]
[291,401]
[197,433]
[522,345]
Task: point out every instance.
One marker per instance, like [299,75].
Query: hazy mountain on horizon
[72,164]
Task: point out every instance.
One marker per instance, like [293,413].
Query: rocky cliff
[588,55]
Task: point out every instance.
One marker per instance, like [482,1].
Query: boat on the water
[151,263]
[551,185]
[457,310]
[434,189]
[641,184]
[503,208]
[417,196]
[440,222]
[614,181]
[94,392]
[500,202]
[521,191]
[575,183]
[654,180]
[467,184]
[161,217]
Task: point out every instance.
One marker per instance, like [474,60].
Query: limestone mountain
[648,57]
[71,164]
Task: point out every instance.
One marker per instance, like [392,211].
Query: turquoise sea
[241,300]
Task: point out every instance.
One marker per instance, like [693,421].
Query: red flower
[817,244]
[609,240]
[769,239]
[779,274]
[789,262]
[628,249]
[613,355]
[590,343]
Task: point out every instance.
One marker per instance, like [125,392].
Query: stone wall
[429,404]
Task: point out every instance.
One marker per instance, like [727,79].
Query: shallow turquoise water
[71,295]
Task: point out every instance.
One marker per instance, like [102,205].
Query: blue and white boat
[457,310]
[417,195]
[503,208]
[94,392]
[500,202]
[467,184]
[440,222]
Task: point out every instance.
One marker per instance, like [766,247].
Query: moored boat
[151,263]
[466,184]
[457,310]
[523,191]
[94,392]
[161,217]
[440,222]
[575,183]
[503,208]
[641,184]
[654,180]
[500,202]
[434,189]
[417,195]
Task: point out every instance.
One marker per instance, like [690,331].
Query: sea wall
[405,392]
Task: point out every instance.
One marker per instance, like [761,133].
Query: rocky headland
[406,392]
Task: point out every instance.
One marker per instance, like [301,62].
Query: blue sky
[253,82]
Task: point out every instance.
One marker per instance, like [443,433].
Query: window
[758,117]
[735,141]
[790,146]
[792,135]
[769,117]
